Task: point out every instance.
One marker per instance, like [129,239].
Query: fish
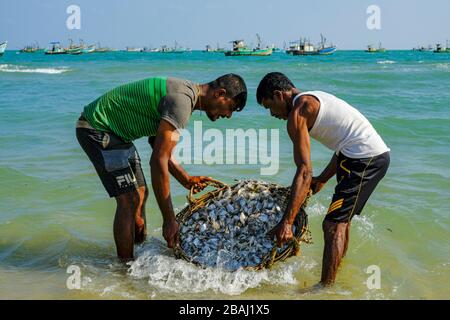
[231,230]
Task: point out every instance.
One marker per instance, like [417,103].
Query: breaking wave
[386,62]
[24,69]
[443,66]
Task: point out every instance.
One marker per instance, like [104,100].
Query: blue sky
[195,23]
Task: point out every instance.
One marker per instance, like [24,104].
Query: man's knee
[332,229]
[129,200]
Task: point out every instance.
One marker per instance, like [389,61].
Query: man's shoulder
[308,98]
[178,85]
[306,105]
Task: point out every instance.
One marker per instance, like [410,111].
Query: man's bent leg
[335,235]
[124,224]
[140,233]
[357,179]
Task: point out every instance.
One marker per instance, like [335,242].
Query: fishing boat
[372,49]
[165,49]
[133,49]
[423,49]
[3,46]
[100,49]
[147,49]
[55,49]
[325,49]
[241,49]
[275,48]
[89,49]
[304,47]
[175,49]
[442,49]
[220,49]
[214,50]
[75,49]
[209,49]
[34,48]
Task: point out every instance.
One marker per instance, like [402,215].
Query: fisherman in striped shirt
[156,108]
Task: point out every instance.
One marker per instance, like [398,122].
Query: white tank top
[342,128]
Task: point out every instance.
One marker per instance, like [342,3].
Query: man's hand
[282,232]
[198,182]
[316,184]
[170,233]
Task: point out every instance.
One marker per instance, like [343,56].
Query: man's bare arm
[317,183]
[165,141]
[298,132]
[178,172]
[175,169]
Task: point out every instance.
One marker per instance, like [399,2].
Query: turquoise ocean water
[54,212]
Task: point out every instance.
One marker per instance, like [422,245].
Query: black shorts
[357,179]
[117,162]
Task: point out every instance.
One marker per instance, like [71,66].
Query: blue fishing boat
[325,49]
[305,47]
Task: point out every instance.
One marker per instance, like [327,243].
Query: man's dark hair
[235,87]
[271,82]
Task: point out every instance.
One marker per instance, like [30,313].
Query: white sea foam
[24,69]
[316,209]
[364,227]
[443,66]
[385,62]
[162,270]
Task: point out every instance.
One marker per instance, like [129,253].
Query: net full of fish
[231,230]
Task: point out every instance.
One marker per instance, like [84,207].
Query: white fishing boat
[3,46]
[55,49]
[134,49]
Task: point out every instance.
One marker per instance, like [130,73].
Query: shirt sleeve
[176,109]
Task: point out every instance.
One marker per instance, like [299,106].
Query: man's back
[134,110]
[342,128]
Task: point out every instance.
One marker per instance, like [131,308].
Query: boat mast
[259,41]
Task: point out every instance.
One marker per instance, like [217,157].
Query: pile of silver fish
[230,231]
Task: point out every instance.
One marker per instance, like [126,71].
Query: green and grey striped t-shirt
[134,110]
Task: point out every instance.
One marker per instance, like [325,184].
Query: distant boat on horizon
[209,49]
[214,50]
[100,49]
[372,49]
[134,49]
[152,50]
[75,49]
[3,46]
[241,49]
[305,47]
[423,49]
[175,49]
[34,48]
[441,49]
[55,49]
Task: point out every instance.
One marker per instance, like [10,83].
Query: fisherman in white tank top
[360,160]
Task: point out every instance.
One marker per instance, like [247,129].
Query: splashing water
[168,274]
